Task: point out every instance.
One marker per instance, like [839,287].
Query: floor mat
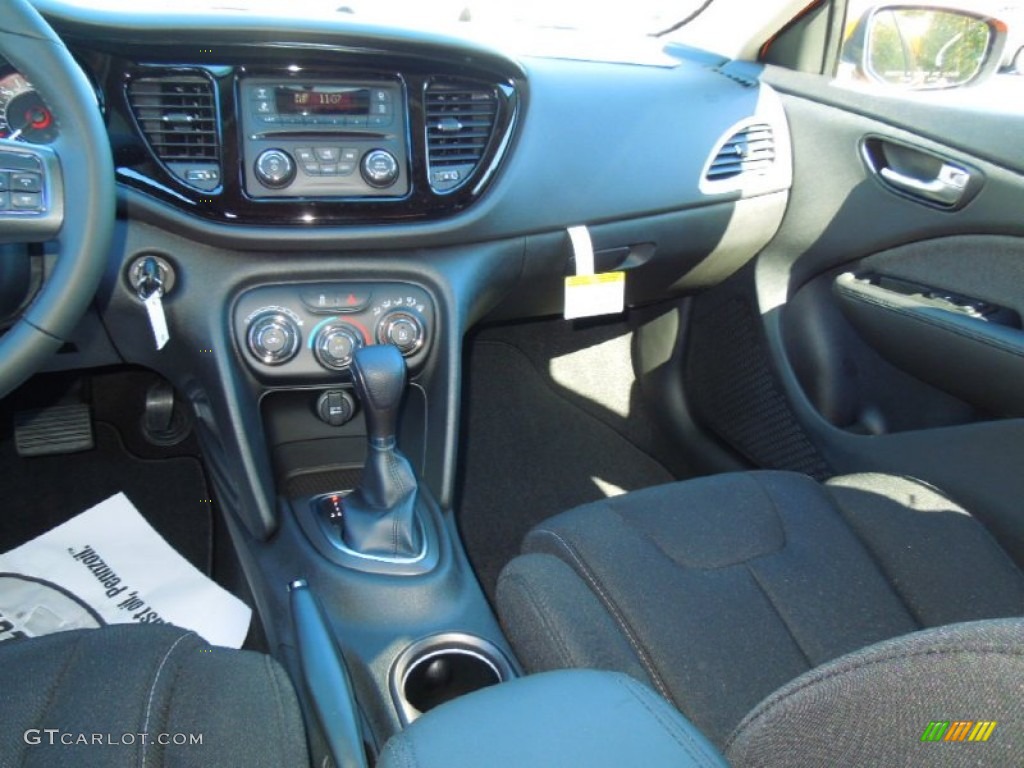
[533,445]
[42,492]
[106,566]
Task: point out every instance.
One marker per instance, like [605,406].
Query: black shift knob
[378,374]
[379,517]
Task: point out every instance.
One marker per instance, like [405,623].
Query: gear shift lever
[379,517]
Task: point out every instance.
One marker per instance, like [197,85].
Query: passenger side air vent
[749,150]
[178,115]
[460,120]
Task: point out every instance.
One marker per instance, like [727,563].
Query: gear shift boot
[379,517]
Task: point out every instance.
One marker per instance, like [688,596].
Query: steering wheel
[76,205]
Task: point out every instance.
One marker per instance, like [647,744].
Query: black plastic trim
[138,167]
[455,643]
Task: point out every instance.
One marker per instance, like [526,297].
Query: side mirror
[918,47]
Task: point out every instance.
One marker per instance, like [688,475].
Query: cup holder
[440,668]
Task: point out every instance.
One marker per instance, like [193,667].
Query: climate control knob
[379,168]
[274,168]
[335,344]
[274,338]
[403,329]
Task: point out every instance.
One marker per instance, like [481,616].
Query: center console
[352,375]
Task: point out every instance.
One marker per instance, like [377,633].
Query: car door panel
[949,341]
[844,370]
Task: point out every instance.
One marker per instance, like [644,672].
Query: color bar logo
[959,730]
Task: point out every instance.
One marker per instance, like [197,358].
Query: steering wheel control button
[16,161]
[26,201]
[273,338]
[404,330]
[21,191]
[335,345]
[275,168]
[26,182]
[379,168]
[335,407]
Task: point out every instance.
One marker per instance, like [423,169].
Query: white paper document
[588,294]
[108,566]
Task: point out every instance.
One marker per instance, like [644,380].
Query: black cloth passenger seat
[718,591]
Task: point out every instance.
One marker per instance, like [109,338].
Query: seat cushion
[719,590]
[919,699]
[110,696]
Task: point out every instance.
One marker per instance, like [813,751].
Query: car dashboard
[314,186]
[241,121]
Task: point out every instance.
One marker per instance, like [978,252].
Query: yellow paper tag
[592,295]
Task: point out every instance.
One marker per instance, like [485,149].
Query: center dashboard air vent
[749,150]
[178,116]
[460,120]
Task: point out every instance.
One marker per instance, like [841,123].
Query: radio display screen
[322,101]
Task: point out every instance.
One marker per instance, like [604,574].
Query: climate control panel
[312,330]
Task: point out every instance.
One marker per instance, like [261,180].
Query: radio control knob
[274,168]
[379,168]
[273,338]
[404,330]
[335,344]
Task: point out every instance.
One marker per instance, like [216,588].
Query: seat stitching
[56,684]
[615,613]
[775,508]
[152,693]
[757,579]
[999,553]
[168,706]
[611,506]
[876,560]
[562,649]
[785,624]
[763,710]
[680,735]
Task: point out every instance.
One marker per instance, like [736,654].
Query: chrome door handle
[947,188]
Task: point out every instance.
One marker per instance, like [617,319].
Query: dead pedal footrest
[55,430]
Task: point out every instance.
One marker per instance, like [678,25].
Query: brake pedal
[55,430]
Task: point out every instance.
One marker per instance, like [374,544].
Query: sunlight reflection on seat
[608,489]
